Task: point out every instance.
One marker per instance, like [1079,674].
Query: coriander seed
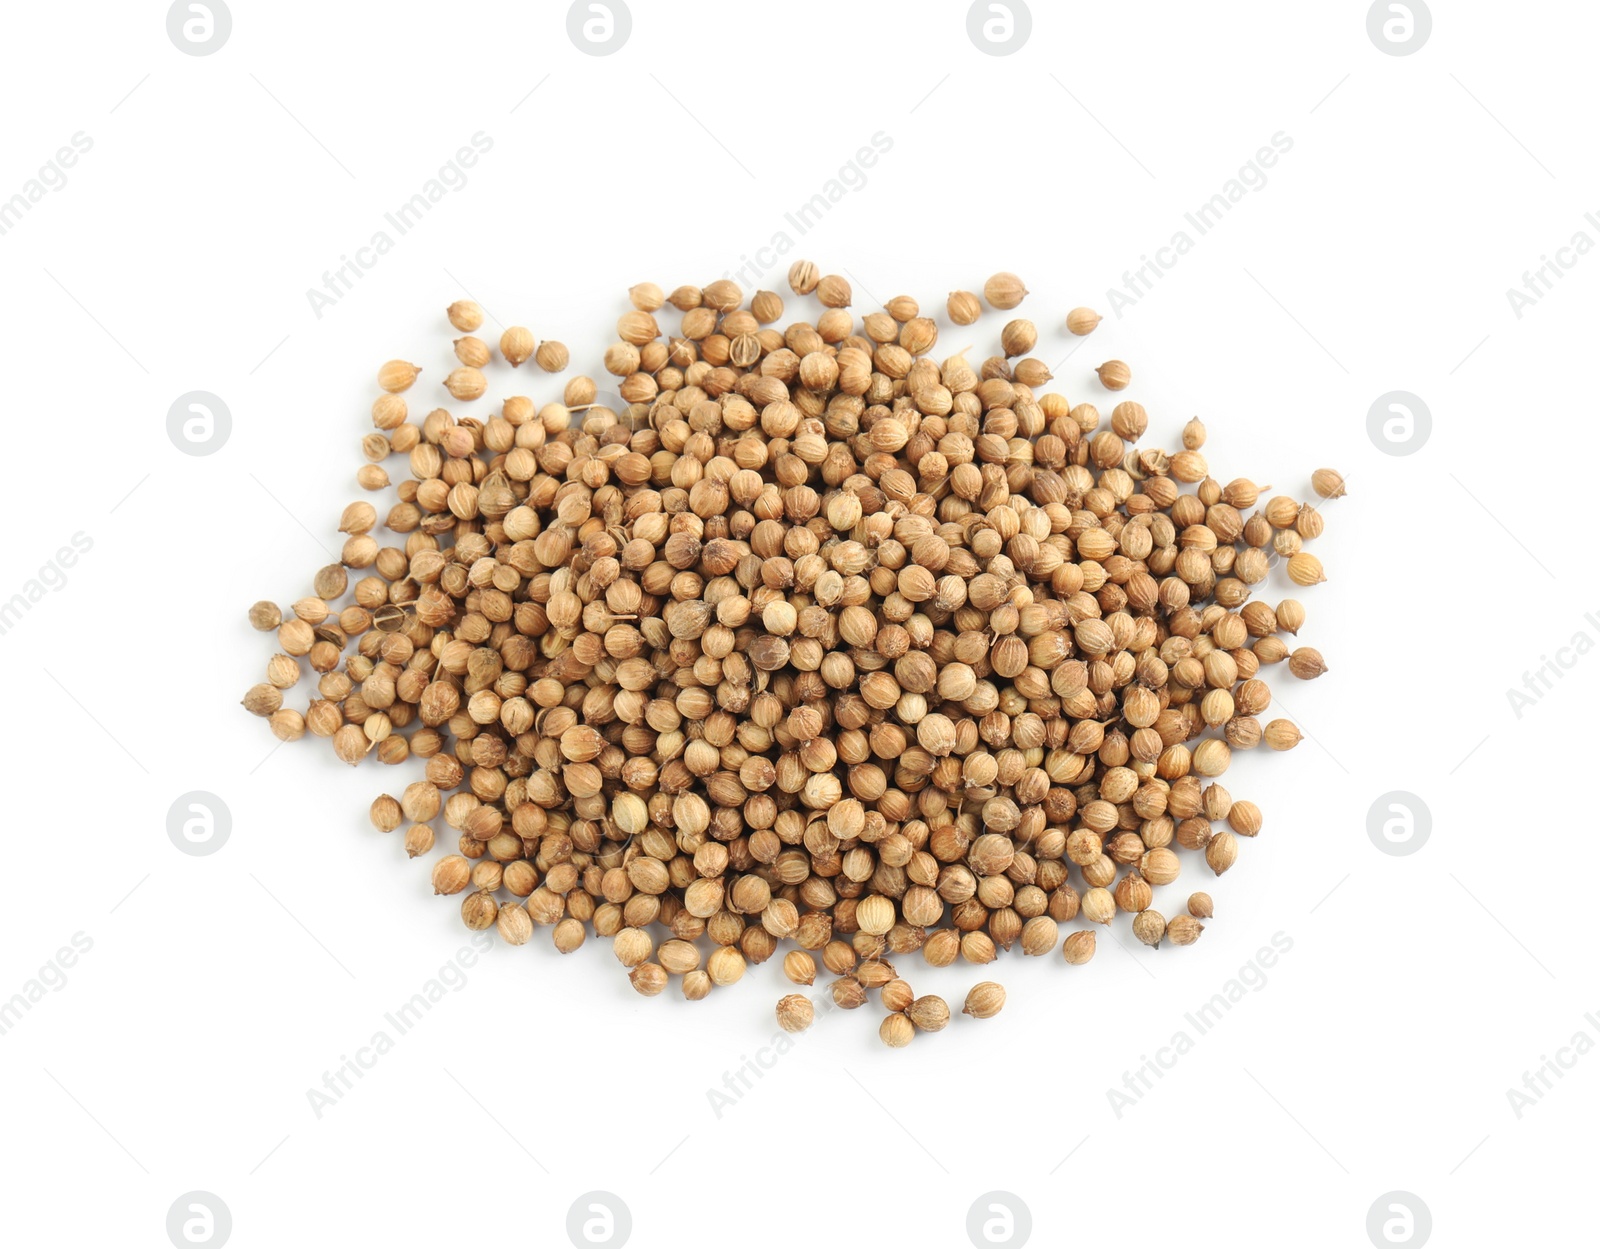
[1114,375]
[1004,291]
[963,307]
[1082,321]
[984,1000]
[1078,947]
[795,1012]
[896,1031]
[929,1013]
[516,345]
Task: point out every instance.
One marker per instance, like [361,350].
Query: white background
[178,256]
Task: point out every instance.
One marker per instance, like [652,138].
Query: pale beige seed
[516,345]
[1082,321]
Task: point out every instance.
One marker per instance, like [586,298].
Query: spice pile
[810,638]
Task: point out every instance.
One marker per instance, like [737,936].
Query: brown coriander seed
[397,375]
[800,967]
[419,840]
[725,966]
[1098,906]
[1004,291]
[1281,735]
[516,345]
[1222,851]
[1039,935]
[1290,615]
[963,307]
[1114,375]
[262,700]
[648,979]
[646,296]
[1184,929]
[552,357]
[471,351]
[834,292]
[1306,663]
[513,924]
[1328,483]
[804,277]
[1081,321]
[632,946]
[385,813]
[1018,337]
[1078,948]
[795,1012]
[984,1000]
[466,383]
[696,986]
[287,724]
[896,995]
[451,874]
[1149,927]
[929,1013]
[896,1031]
[1032,372]
[465,315]
[265,616]
[848,993]
[1200,905]
[479,910]
[1305,569]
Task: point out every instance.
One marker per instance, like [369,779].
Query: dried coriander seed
[1149,927]
[1114,375]
[1328,483]
[1184,929]
[1078,948]
[1004,291]
[1082,321]
[963,307]
[397,375]
[551,356]
[897,1031]
[929,1013]
[795,1012]
[984,1000]
[265,616]
[516,345]
[465,315]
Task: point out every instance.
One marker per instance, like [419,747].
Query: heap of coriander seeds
[810,637]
